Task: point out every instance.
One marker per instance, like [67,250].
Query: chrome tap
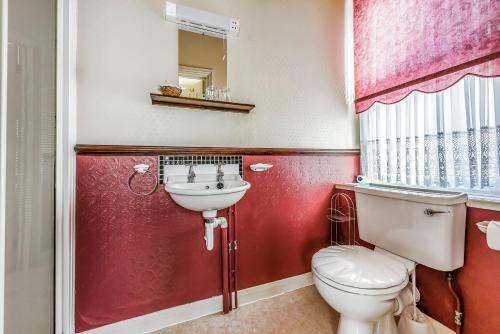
[191,173]
[220,173]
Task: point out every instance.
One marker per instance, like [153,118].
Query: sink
[203,194]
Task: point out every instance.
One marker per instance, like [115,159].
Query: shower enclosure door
[29,162]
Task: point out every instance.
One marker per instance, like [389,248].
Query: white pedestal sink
[204,196]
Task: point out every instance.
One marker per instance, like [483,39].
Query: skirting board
[158,320]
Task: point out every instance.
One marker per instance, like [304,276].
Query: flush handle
[430,212]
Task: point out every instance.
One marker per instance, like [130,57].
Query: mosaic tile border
[164,160]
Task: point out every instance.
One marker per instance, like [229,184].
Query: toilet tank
[426,226]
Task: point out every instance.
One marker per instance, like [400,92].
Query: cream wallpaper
[288,60]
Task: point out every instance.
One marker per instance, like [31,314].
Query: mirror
[202,63]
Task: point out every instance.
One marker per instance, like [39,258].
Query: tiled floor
[297,312]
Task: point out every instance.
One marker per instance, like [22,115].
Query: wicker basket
[170,90]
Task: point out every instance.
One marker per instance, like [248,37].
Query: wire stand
[342,211]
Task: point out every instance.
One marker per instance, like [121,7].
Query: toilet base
[386,325]
[352,326]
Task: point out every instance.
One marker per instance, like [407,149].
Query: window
[448,139]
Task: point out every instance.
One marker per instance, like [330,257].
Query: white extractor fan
[201,22]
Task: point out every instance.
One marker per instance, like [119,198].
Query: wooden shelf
[186,102]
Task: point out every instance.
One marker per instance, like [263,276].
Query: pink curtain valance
[405,45]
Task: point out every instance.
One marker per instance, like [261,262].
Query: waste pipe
[225,278]
[235,250]
[230,259]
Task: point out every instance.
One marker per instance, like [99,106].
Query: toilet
[408,226]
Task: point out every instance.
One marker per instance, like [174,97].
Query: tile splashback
[203,164]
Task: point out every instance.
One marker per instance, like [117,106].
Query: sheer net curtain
[449,139]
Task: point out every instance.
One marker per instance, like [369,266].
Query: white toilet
[406,225]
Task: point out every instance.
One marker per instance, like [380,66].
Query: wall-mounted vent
[201,22]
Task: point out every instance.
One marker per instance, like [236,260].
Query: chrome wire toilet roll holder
[340,212]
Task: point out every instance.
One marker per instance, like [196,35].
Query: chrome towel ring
[141,169]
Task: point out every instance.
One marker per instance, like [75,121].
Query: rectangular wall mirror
[202,63]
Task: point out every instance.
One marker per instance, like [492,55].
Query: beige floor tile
[297,312]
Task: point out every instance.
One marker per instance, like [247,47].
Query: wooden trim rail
[179,150]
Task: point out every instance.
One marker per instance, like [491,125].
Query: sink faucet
[191,173]
[220,173]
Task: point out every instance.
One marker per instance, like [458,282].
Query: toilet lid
[358,267]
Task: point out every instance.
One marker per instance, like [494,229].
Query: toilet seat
[357,291]
[359,270]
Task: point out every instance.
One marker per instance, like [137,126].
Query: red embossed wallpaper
[137,255]
[134,255]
